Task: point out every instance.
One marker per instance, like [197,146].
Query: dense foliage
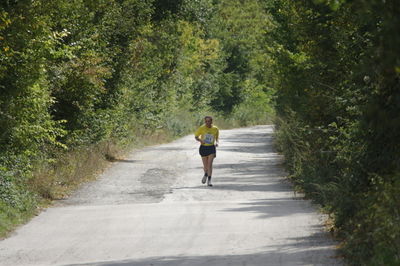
[79,78]
[338,103]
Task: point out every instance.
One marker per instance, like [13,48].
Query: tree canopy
[83,74]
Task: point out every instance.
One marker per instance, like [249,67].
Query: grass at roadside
[11,217]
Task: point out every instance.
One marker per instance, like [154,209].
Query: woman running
[207,135]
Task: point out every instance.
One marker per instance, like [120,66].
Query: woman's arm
[198,139]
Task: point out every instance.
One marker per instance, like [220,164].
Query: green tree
[336,90]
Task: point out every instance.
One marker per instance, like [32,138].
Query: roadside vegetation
[338,109]
[83,81]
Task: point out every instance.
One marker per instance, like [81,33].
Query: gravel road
[151,209]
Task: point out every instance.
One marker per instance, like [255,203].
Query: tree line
[82,76]
[81,79]
[338,108]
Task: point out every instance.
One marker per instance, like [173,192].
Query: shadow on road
[301,252]
[254,144]
[272,208]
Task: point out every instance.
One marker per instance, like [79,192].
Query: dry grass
[57,180]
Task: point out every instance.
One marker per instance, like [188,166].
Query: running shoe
[204,179]
[209,182]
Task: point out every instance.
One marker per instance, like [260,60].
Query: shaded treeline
[80,79]
[84,77]
[338,103]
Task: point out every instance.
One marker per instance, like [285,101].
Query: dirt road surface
[151,209]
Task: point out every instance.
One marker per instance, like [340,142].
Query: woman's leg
[210,160]
[205,164]
[209,168]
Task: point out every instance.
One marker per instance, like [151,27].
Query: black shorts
[207,150]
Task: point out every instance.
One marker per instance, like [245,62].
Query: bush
[337,81]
